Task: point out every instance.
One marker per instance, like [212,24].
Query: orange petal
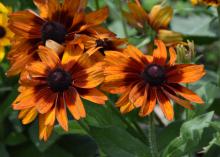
[186,93]
[25,100]
[179,101]
[47,8]
[48,57]
[165,105]
[185,73]
[26,24]
[45,131]
[71,55]
[137,16]
[160,53]
[50,117]
[136,92]
[61,113]
[74,104]
[93,95]
[149,104]
[126,108]
[45,100]
[134,53]
[160,17]
[97,17]
[169,37]
[90,77]
[173,56]
[37,68]
[19,64]
[29,116]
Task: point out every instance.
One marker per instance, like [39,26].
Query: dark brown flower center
[53,31]
[59,80]
[154,74]
[105,44]
[2,32]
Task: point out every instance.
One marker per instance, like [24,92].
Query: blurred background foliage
[105,132]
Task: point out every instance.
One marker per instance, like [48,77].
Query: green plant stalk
[97,4]
[218,10]
[123,21]
[152,137]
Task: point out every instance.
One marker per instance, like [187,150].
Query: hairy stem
[152,137]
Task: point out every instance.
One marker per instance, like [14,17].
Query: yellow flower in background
[5,33]
[207,2]
[158,19]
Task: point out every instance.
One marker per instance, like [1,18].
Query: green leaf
[190,136]
[116,142]
[102,115]
[201,34]
[15,139]
[77,144]
[3,151]
[74,128]
[34,136]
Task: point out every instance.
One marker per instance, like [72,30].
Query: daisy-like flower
[102,38]
[207,2]
[158,20]
[57,21]
[50,86]
[5,33]
[145,80]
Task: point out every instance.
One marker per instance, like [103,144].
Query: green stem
[139,129]
[152,137]
[123,21]
[218,9]
[97,4]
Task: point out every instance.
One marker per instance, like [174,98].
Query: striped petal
[186,93]
[185,73]
[48,57]
[149,104]
[93,95]
[74,104]
[61,114]
[160,53]
[165,105]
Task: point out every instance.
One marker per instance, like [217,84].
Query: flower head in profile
[51,86]
[206,2]
[158,20]
[5,33]
[57,21]
[144,80]
[103,39]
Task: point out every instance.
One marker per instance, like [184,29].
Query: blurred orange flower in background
[144,80]
[51,85]
[158,20]
[207,2]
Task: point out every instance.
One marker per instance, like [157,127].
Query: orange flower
[158,20]
[50,86]
[207,2]
[144,80]
[103,39]
[58,22]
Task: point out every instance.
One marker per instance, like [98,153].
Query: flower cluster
[64,55]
